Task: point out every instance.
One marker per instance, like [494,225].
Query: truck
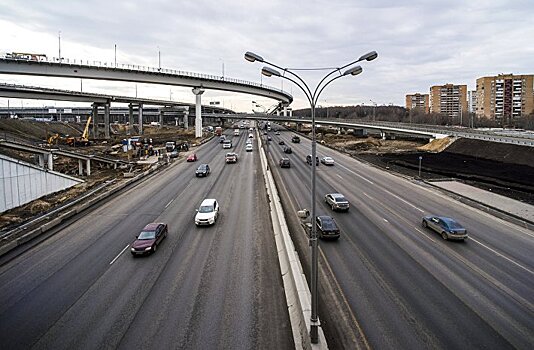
[218,131]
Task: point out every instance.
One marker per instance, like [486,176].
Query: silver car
[327,160]
[337,201]
[448,228]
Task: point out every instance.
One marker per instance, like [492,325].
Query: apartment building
[505,96]
[472,101]
[449,99]
[419,101]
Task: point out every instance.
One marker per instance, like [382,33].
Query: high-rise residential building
[449,99]
[472,101]
[505,96]
[419,101]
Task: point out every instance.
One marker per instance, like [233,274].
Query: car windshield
[340,199]
[329,225]
[205,209]
[147,235]
[202,167]
[453,225]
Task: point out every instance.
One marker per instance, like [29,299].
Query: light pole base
[314,334]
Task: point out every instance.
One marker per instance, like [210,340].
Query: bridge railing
[139,68]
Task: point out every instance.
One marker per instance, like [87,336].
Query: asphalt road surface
[204,288]
[405,286]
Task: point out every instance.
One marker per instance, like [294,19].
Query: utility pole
[115,55]
[59,39]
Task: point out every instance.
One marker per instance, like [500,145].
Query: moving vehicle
[207,213]
[269,138]
[231,157]
[222,138]
[277,133]
[337,201]
[295,139]
[448,228]
[170,145]
[309,159]
[203,170]
[82,140]
[227,144]
[326,227]
[285,163]
[327,160]
[218,131]
[288,150]
[281,142]
[149,239]
[250,136]
[192,157]
[174,154]
[248,147]
[236,132]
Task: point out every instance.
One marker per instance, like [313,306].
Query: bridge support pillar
[50,161]
[88,166]
[186,119]
[106,121]
[80,167]
[198,111]
[140,116]
[130,118]
[161,112]
[285,111]
[95,122]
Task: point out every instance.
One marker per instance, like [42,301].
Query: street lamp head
[369,56]
[353,71]
[267,71]
[252,57]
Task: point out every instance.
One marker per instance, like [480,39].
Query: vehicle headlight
[148,248]
[132,249]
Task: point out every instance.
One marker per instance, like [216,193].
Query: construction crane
[82,140]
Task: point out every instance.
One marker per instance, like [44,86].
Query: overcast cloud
[420,43]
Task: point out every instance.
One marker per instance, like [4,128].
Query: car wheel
[332,206]
[444,235]
[424,224]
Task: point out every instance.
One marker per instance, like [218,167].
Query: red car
[149,239]
[192,158]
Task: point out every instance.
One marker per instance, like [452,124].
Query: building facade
[449,99]
[505,97]
[472,101]
[419,101]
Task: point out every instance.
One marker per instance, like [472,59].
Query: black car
[281,142]
[326,227]
[295,139]
[203,170]
[309,160]
[288,150]
[285,163]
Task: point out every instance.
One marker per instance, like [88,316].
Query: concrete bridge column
[198,111]
[50,161]
[106,121]
[186,119]
[285,111]
[130,118]
[140,121]
[161,118]
[88,166]
[95,123]
[40,159]
[80,167]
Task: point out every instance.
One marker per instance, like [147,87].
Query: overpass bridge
[67,68]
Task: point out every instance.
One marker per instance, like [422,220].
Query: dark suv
[288,150]
[285,163]
[203,170]
[295,139]
[309,160]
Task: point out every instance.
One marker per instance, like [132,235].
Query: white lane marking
[399,198]
[339,176]
[352,172]
[502,256]
[385,220]
[122,251]
[172,200]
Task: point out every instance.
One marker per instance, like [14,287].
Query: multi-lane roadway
[405,286]
[204,288]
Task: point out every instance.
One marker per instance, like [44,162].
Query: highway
[406,288]
[204,288]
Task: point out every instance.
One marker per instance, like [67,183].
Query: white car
[227,144]
[207,213]
[327,160]
[248,148]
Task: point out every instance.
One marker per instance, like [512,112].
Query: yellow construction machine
[82,140]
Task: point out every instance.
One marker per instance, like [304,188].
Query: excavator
[82,140]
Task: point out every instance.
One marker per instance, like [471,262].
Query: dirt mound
[437,145]
[37,131]
[501,152]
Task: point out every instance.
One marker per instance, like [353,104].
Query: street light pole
[312,99]
[59,47]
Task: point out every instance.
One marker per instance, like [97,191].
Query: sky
[419,43]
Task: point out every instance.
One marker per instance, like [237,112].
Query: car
[281,142]
[288,150]
[227,144]
[269,138]
[236,132]
[337,201]
[149,239]
[327,227]
[285,163]
[448,228]
[277,133]
[173,154]
[295,139]
[249,141]
[203,170]
[309,159]
[207,213]
[222,138]
[231,157]
[327,160]
[248,147]
[192,157]
[250,136]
